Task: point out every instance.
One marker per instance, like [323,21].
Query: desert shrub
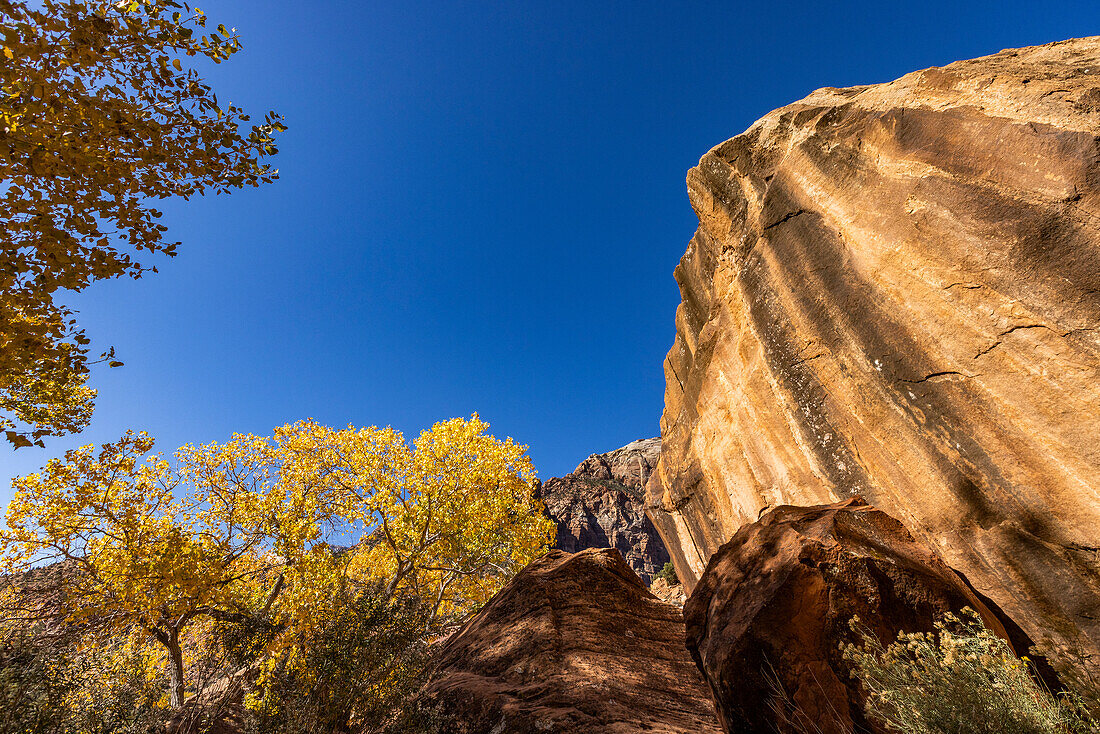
[668,573]
[55,683]
[117,687]
[31,688]
[354,670]
[959,679]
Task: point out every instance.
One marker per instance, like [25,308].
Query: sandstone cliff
[894,291]
[602,505]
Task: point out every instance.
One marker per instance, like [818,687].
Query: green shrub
[354,672]
[32,689]
[51,683]
[960,679]
[668,573]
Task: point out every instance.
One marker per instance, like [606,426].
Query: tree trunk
[177,688]
[274,594]
[403,568]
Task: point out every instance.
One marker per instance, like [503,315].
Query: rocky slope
[602,505]
[574,643]
[894,291]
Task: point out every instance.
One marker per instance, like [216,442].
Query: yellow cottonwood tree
[158,546]
[100,113]
[450,518]
[241,530]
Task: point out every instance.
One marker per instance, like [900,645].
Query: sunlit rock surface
[894,291]
[671,593]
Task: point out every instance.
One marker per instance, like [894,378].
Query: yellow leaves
[243,527]
[106,667]
[453,517]
[115,513]
[91,106]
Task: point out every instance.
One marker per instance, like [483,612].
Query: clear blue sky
[480,209]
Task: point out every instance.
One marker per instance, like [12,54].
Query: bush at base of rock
[668,573]
[666,586]
[961,679]
[50,684]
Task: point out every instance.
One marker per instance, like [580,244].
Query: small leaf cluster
[668,573]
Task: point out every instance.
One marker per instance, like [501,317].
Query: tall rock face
[894,291]
[573,644]
[602,505]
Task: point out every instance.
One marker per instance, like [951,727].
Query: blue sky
[480,209]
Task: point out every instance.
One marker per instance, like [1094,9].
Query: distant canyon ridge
[601,504]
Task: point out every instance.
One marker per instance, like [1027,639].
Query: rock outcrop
[767,619]
[894,292]
[602,505]
[574,643]
[671,593]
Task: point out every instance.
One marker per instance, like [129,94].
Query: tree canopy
[244,530]
[101,113]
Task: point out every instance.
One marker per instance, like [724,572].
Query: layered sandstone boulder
[574,643]
[894,291]
[768,617]
[602,505]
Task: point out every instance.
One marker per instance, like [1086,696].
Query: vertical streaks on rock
[894,291]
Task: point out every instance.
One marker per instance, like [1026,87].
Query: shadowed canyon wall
[601,504]
[894,292]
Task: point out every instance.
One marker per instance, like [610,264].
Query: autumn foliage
[249,530]
[101,114]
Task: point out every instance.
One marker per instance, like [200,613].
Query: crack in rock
[786,217]
[999,339]
[945,373]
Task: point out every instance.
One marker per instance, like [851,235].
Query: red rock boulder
[766,621]
[574,643]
